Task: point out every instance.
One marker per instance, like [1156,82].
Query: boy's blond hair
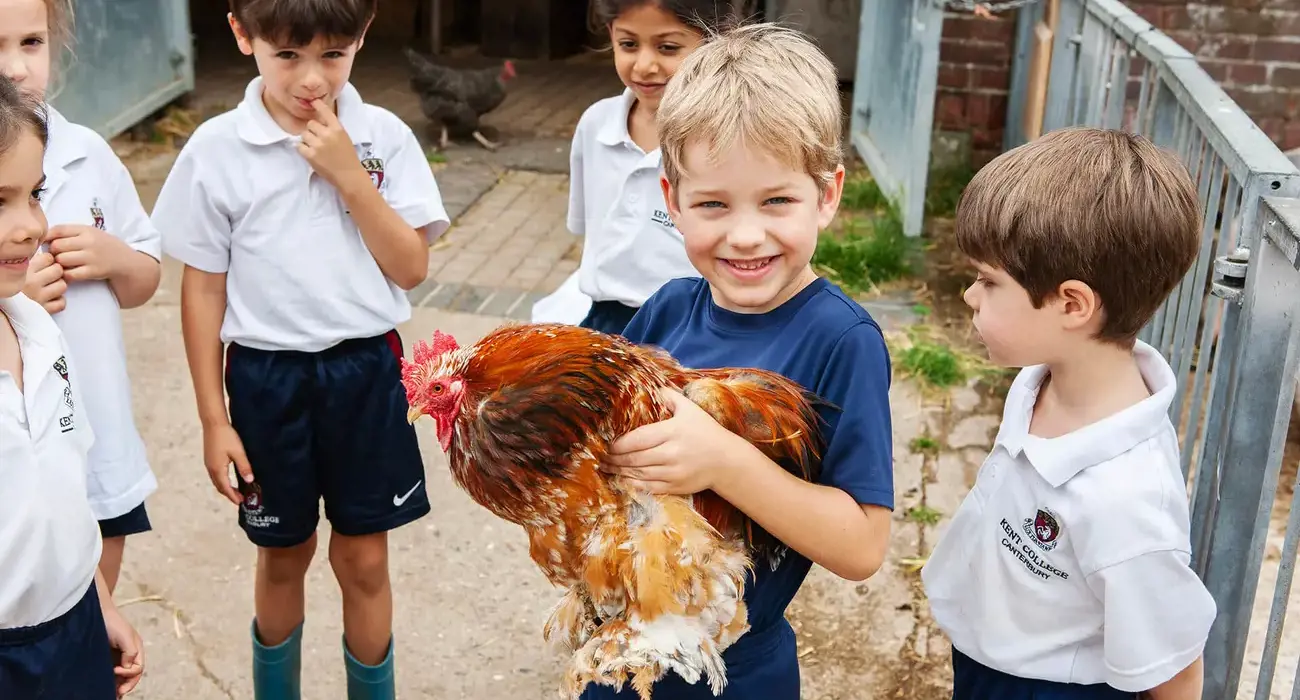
[1100,206]
[763,85]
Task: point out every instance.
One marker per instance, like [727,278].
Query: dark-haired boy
[302,216]
[1064,575]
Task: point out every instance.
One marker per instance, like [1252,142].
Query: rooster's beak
[414,414]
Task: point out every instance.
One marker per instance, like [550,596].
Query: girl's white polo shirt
[241,200]
[1068,560]
[631,245]
[87,184]
[49,540]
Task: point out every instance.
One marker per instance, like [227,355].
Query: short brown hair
[1101,206]
[759,84]
[299,22]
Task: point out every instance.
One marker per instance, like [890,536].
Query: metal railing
[1229,330]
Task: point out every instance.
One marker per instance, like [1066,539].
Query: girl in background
[631,246]
[61,636]
[101,255]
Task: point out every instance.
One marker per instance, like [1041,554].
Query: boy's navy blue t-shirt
[829,344]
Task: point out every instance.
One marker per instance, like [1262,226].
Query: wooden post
[1040,64]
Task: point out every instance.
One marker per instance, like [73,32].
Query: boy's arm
[401,251]
[843,522]
[137,281]
[823,523]
[203,310]
[1187,685]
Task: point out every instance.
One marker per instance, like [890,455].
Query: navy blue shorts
[133,522]
[67,658]
[972,680]
[760,667]
[609,317]
[328,425]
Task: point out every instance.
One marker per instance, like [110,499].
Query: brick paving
[508,250]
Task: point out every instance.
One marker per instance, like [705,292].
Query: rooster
[455,98]
[655,583]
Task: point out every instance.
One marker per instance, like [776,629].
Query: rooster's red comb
[441,344]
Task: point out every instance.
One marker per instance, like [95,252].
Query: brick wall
[1252,47]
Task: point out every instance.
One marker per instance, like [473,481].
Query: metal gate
[893,98]
[129,58]
[1230,330]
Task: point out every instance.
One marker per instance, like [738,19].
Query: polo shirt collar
[38,338]
[1059,459]
[255,125]
[614,132]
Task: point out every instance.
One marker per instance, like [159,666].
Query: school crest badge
[97,214]
[375,167]
[65,421]
[1044,529]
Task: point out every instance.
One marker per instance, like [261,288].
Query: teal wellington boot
[277,670]
[370,682]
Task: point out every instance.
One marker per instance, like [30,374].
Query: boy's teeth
[750,264]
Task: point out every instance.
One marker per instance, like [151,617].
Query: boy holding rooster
[750,133]
[302,217]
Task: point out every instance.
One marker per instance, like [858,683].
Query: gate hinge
[1230,275]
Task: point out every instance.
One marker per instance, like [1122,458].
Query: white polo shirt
[1068,561]
[87,184]
[632,246]
[241,200]
[49,540]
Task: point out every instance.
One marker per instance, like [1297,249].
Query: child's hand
[328,147]
[85,252]
[681,455]
[45,284]
[128,651]
[221,447]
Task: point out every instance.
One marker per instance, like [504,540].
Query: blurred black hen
[455,98]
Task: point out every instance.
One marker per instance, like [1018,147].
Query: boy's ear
[830,200]
[670,197]
[1079,305]
[241,37]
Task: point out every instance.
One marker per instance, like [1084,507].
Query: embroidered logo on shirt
[661,217]
[374,166]
[65,422]
[1043,528]
[97,214]
[1033,562]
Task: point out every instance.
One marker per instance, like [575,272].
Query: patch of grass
[923,444]
[921,354]
[944,188]
[933,363]
[436,156]
[925,515]
[864,252]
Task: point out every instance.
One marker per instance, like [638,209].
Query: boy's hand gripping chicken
[655,582]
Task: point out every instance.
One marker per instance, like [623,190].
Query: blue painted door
[128,59]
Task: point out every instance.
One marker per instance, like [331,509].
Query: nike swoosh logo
[399,500]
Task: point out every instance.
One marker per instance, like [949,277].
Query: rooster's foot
[443,141]
[571,623]
[490,145]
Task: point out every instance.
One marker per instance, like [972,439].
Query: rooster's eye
[436,389]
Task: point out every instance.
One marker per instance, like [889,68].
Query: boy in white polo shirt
[1065,572]
[60,634]
[302,217]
